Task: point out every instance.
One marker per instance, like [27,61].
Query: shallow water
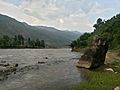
[58,73]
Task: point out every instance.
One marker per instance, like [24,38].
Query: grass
[99,79]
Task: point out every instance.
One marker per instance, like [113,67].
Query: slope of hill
[109,30]
[52,36]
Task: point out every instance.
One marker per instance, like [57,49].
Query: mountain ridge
[52,36]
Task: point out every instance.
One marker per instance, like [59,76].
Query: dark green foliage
[20,42]
[42,44]
[81,42]
[5,41]
[99,23]
[109,30]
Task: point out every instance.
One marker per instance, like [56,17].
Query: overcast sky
[75,15]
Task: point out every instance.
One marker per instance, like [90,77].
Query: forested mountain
[109,30]
[53,37]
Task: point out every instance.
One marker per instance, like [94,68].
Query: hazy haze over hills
[52,36]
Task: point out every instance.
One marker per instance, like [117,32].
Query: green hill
[109,29]
[52,36]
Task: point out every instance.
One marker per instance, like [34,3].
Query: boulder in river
[41,62]
[95,55]
[45,57]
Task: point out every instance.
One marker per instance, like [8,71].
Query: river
[57,73]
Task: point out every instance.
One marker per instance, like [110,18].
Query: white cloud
[63,14]
[98,9]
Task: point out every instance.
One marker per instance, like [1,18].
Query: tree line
[18,41]
[107,29]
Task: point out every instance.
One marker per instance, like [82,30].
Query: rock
[16,65]
[95,55]
[109,69]
[41,62]
[117,88]
[4,64]
[45,57]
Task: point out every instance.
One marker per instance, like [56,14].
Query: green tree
[6,41]
[20,40]
[99,21]
[37,43]
[42,43]
[98,24]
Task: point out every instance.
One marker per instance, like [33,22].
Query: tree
[38,43]
[108,30]
[20,40]
[29,43]
[42,43]
[6,41]
[15,41]
[73,44]
[99,22]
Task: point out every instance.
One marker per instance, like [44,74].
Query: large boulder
[95,55]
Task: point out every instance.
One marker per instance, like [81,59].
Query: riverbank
[106,77]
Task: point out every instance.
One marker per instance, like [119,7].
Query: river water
[57,73]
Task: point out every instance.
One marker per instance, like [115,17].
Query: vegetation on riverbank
[19,41]
[100,79]
[109,29]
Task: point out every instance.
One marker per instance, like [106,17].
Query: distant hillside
[109,30]
[52,36]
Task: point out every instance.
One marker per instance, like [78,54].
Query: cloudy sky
[75,15]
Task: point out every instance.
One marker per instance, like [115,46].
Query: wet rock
[45,57]
[95,55]
[4,64]
[16,65]
[41,62]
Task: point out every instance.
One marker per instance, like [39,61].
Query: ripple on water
[57,73]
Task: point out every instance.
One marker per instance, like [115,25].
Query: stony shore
[106,77]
